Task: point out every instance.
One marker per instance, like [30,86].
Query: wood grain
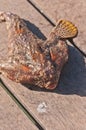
[65,107]
[75,11]
[11,117]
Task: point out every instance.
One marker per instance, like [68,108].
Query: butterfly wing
[65,29]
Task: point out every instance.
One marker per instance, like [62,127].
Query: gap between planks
[21,106]
[53,24]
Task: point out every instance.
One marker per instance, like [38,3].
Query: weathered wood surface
[11,117]
[65,107]
[26,11]
[73,10]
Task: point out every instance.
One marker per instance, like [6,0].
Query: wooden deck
[11,117]
[65,107]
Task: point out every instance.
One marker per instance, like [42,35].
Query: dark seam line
[72,42]
[53,24]
[21,106]
[41,12]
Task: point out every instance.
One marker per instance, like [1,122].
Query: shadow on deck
[73,77]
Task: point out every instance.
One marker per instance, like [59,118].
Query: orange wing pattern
[65,29]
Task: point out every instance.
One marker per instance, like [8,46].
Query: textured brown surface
[26,11]
[11,117]
[65,107]
[31,60]
[74,11]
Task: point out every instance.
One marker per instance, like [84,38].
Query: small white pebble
[42,107]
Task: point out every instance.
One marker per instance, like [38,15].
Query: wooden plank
[26,11]
[74,11]
[11,117]
[65,107]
